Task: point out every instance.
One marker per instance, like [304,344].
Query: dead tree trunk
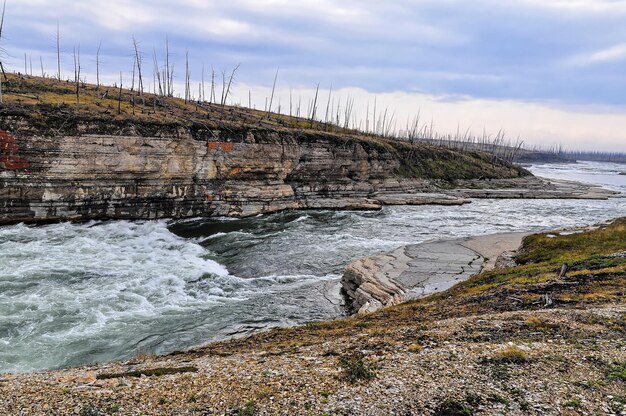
[314,108]
[230,83]
[58,52]
[119,97]
[77,75]
[269,110]
[98,66]
[138,58]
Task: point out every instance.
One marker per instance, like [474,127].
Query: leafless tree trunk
[77,75]
[212,97]
[202,97]
[58,52]
[138,58]
[230,83]
[187,92]
[223,88]
[98,66]
[157,75]
[168,90]
[269,110]
[132,84]
[119,97]
[374,117]
[330,94]
[299,104]
[314,107]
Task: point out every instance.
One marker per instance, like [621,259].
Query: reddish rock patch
[223,146]
[234,172]
[9,159]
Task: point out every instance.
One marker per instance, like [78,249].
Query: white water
[79,293]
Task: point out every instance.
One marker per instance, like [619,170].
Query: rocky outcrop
[174,171]
[417,270]
[406,273]
[108,169]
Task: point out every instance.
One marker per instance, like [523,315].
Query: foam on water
[79,293]
[79,283]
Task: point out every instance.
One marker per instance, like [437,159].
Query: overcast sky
[552,71]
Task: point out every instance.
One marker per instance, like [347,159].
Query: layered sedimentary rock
[55,168]
[417,270]
[408,272]
[177,172]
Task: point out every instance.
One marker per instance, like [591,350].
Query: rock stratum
[178,159]
[177,174]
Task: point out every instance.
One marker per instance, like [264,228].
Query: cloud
[612,54]
[582,6]
[538,124]
[528,51]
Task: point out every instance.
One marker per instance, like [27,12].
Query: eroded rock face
[170,171]
[134,177]
[409,272]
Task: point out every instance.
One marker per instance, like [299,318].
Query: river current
[75,293]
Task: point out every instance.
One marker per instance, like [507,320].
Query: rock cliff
[99,168]
[110,158]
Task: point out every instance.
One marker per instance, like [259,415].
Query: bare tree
[330,93]
[77,75]
[269,110]
[58,52]
[314,107]
[212,97]
[230,83]
[138,59]
[98,66]
[187,92]
[201,97]
[119,97]
[157,75]
[132,83]
[168,85]
[222,100]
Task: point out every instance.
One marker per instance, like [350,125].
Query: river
[75,293]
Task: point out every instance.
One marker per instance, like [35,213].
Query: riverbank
[518,340]
[418,270]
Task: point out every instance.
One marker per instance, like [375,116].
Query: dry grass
[511,354]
